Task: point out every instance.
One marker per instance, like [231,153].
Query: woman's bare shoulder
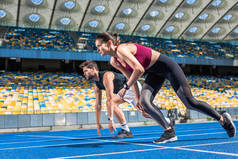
[126,44]
[130,46]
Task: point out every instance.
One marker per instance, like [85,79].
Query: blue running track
[195,141]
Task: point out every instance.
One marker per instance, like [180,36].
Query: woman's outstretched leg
[181,87]
[190,102]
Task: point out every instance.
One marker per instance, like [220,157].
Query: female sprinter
[133,60]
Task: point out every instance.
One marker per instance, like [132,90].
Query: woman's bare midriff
[154,58]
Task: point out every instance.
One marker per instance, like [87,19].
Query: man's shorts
[130,96]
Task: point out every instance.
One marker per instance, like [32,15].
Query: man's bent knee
[116,100]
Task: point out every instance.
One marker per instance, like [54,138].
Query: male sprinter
[111,82]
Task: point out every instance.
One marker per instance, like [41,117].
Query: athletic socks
[125,127]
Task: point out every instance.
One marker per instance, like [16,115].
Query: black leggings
[166,68]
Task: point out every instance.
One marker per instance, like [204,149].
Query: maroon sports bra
[143,55]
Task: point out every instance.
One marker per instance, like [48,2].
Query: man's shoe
[229,126]
[123,134]
[167,136]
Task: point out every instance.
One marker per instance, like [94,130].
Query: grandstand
[37,39]
[36,93]
[42,43]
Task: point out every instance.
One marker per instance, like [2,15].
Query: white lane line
[40,146]
[141,133]
[160,132]
[48,136]
[35,141]
[180,147]
[215,143]
[161,147]
[76,143]
[62,138]
[201,134]
[158,146]
[205,151]
[66,137]
[110,153]
[99,141]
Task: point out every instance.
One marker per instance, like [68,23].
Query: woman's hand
[139,107]
[146,115]
[122,92]
[141,110]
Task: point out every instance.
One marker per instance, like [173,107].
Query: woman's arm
[134,87]
[120,68]
[138,70]
[128,75]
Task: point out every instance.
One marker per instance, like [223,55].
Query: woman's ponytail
[117,39]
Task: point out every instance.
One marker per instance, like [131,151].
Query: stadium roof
[215,20]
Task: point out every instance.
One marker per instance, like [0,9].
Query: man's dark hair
[89,64]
